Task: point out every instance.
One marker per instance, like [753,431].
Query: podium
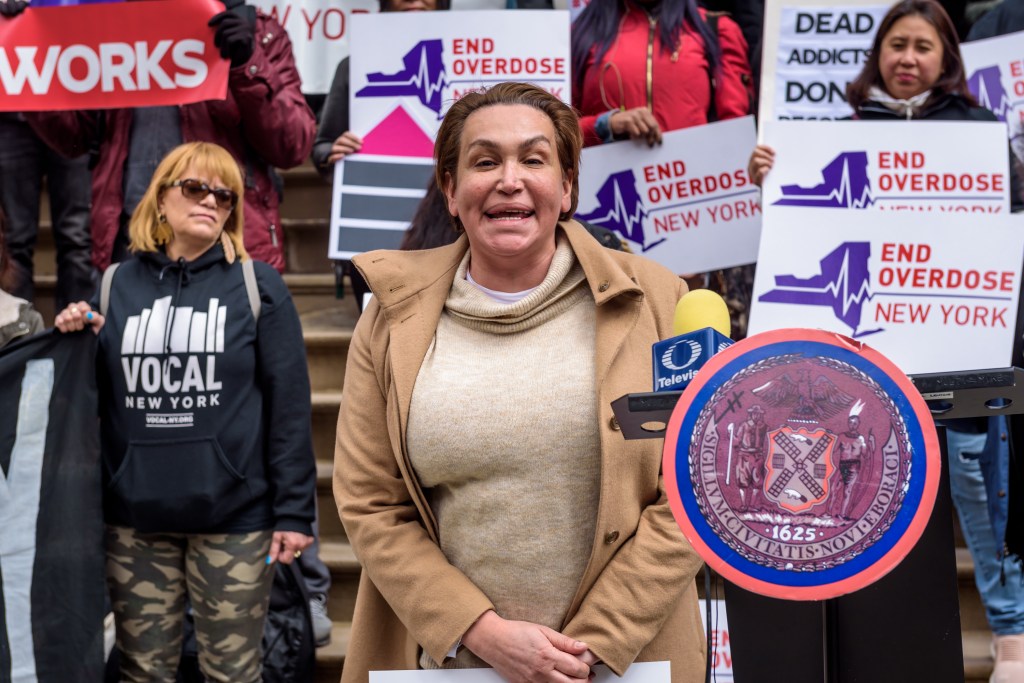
[905,626]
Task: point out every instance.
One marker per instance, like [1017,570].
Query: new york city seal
[801,464]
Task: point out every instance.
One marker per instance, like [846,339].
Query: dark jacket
[263,122]
[951,107]
[205,412]
[1006,17]
[333,119]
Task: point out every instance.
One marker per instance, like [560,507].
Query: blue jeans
[24,161]
[1003,600]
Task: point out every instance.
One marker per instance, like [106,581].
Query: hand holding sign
[636,123]
[235,29]
[12,8]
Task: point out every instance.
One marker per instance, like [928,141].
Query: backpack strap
[108,278]
[251,288]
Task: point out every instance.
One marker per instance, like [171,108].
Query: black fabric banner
[51,520]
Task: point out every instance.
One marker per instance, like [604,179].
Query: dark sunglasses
[197,190]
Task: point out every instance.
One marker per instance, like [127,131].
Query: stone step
[306,194]
[331,657]
[327,334]
[344,567]
[978,660]
[972,611]
[306,243]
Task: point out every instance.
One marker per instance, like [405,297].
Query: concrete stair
[327,324]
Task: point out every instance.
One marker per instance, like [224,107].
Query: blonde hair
[146,231]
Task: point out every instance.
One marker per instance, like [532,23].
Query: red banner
[107,56]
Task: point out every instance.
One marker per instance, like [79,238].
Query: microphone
[701,326]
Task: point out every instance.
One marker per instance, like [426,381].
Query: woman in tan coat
[500,517]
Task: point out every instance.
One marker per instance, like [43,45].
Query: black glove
[235,34]
[12,8]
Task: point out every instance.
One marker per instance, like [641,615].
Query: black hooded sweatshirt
[205,412]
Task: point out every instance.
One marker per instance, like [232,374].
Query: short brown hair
[146,231]
[568,138]
[952,78]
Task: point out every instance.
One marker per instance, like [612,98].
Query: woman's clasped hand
[523,652]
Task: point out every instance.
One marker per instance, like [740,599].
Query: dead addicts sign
[812,51]
[105,55]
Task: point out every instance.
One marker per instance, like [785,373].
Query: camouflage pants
[228,581]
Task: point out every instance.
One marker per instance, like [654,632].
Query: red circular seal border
[932,459]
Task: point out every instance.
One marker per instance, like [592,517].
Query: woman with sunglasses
[205,415]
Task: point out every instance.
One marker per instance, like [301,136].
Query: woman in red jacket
[642,67]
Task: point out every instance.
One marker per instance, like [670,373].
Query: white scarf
[905,108]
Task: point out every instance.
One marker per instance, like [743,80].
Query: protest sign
[319,31]
[108,55]
[687,203]
[995,74]
[811,51]
[934,292]
[640,672]
[423,62]
[936,166]
[721,643]
[406,70]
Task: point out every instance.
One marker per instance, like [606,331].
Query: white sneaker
[321,622]
[1009,655]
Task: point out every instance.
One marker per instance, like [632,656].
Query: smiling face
[910,59]
[196,225]
[510,188]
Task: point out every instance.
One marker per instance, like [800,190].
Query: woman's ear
[449,193]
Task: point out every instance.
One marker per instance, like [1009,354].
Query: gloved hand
[12,8]
[235,34]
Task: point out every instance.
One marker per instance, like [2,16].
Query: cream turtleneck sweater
[503,435]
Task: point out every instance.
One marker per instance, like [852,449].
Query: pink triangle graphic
[398,135]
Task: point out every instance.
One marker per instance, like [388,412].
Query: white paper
[641,672]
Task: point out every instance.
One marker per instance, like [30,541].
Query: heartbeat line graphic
[423,77]
[987,86]
[844,285]
[620,208]
[845,184]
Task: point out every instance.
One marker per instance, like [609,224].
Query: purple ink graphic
[987,85]
[621,208]
[423,77]
[846,185]
[844,285]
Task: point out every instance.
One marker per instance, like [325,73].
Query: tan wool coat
[636,601]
